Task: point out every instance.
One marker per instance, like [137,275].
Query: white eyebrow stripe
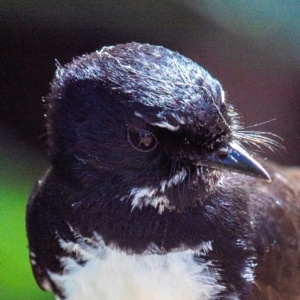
[138,114]
[166,125]
[223,99]
[162,124]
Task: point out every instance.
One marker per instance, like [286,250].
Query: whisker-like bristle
[258,139]
[259,124]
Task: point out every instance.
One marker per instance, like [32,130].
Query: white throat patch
[110,274]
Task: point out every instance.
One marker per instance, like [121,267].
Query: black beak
[234,158]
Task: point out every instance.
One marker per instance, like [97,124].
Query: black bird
[151,194]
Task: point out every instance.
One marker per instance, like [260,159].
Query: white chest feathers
[111,274]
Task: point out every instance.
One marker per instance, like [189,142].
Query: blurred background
[252,47]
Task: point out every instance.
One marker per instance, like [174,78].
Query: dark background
[252,47]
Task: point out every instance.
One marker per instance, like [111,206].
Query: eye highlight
[141,139]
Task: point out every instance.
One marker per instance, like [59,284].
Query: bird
[155,190]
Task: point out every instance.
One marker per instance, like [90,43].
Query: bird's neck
[133,228]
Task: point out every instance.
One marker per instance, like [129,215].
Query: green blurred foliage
[273,25]
[18,171]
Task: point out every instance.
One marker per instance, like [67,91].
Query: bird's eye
[141,139]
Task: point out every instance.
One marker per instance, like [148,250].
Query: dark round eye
[141,139]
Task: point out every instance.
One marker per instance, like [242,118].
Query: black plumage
[146,152]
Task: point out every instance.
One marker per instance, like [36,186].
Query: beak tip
[246,164]
[265,175]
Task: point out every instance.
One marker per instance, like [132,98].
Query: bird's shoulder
[41,223]
[275,210]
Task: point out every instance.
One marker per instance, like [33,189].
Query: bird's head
[148,120]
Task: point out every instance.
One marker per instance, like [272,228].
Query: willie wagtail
[151,193]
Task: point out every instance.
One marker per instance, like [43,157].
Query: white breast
[111,274]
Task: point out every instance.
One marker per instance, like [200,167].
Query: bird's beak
[234,158]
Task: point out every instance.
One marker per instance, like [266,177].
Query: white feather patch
[146,196]
[110,274]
